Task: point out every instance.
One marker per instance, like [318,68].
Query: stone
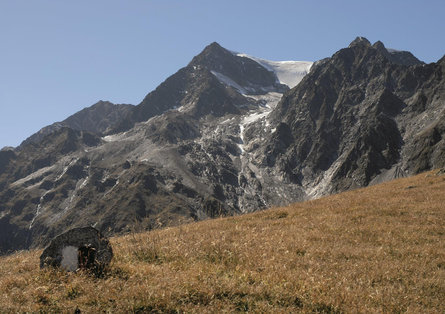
[78,248]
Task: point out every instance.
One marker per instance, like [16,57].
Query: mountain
[227,134]
[98,118]
[359,117]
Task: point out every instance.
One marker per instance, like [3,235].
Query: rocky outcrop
[78,248]
[397,56]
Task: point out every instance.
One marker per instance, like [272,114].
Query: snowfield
[289,73]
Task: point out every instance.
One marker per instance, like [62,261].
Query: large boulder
[76,249]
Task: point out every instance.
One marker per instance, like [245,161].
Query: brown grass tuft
[379,249]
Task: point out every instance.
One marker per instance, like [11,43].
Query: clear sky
[59,56]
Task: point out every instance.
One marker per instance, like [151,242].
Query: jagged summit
[352,121]
[397,56]
[213,48]
[379,45]
[212,54]
[394,56]
[360,41]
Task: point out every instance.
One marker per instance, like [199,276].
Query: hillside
[377,249]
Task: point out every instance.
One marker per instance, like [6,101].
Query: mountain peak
[214,45]
[212,50]
[405,58]
[397,56]
[360,41]
[378,45]
[248,75]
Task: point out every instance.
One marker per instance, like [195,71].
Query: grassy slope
[379,249]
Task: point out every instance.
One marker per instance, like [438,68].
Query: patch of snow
[254,117]
[35,216]
[241,136]
[390,50]
[270,99]
[82,185]
[110,138]
[117,137]
[249,120]
[112,188]
[105,178]
[65,169]
[289,73]
[3,214]
[228,81]
[225,121]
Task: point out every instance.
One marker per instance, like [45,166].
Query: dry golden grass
[379,249]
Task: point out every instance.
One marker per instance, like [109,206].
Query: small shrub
[72,293]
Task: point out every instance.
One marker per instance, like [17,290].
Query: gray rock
[78,248]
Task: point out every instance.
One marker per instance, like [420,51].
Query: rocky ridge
[98,118]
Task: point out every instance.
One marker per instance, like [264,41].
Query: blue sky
[59,56]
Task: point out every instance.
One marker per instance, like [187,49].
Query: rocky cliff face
[225,136]
[359,117]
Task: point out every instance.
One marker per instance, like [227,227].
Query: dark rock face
[352,118]
[396,56]
[222,137]
[5,157]
[428,150]
[78,248]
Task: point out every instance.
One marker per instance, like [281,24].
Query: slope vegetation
[378,249]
